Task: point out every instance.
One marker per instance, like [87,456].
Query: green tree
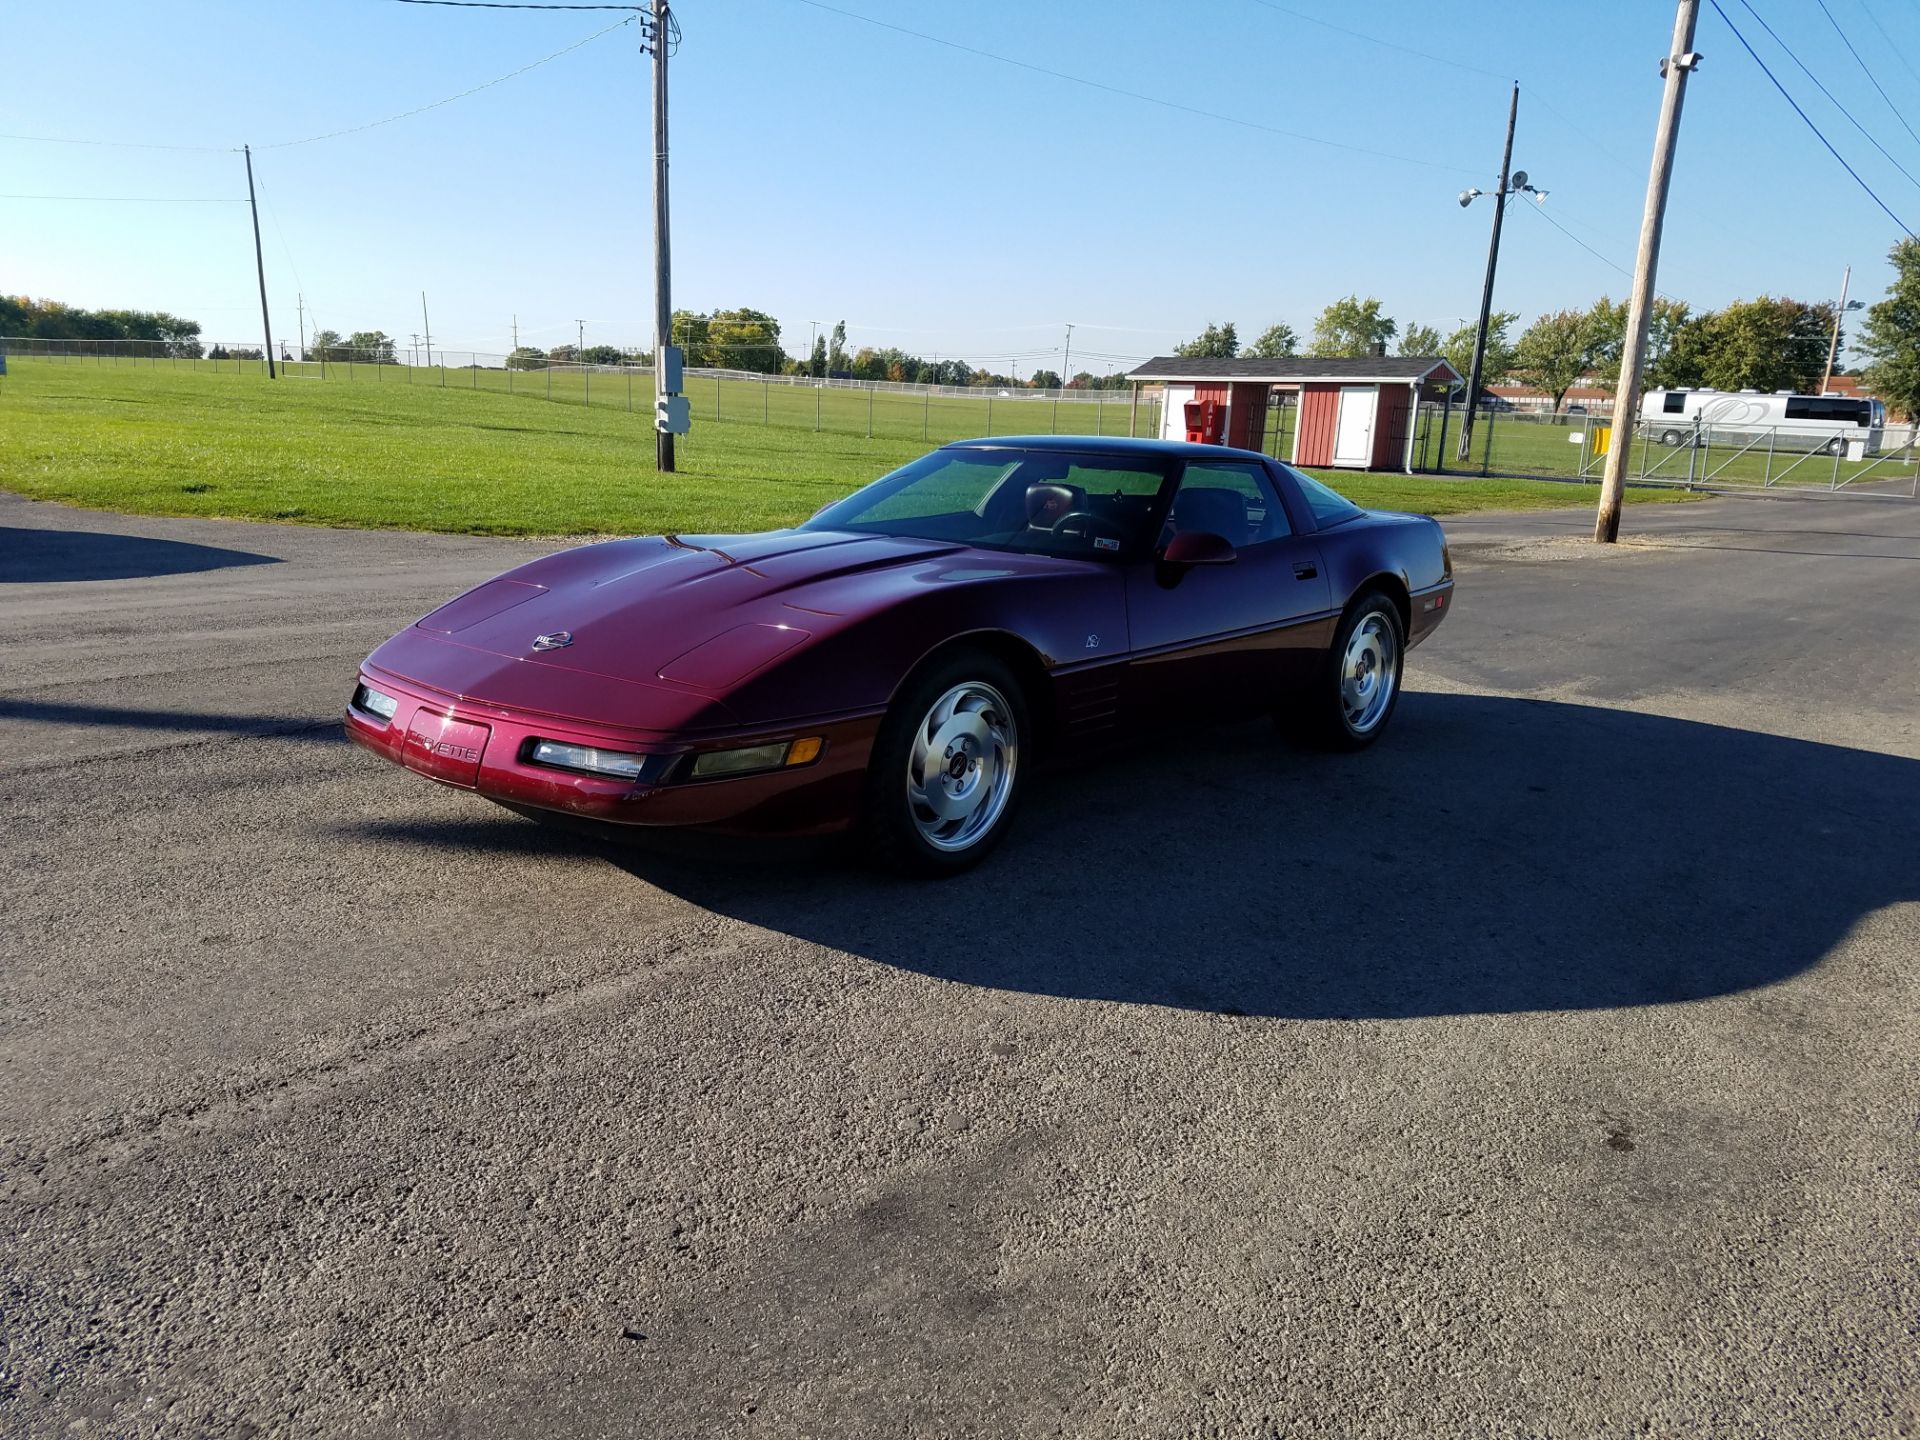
[1273,342]
[527,357]
[1498,362]
[326,345]
[817,362]
[1044,380]
[1217,341]
[837,348]
[1556,350]
[1419,340]
[689,331]
[604,355]
[1764,344]
[744,339]
[375,347]
[1351,327]
[1890,338]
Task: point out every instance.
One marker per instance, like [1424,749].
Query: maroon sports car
[897,665]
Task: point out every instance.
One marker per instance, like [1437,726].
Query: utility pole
[259,264]
[516,332]
[415,349]
[580,340]
[1066,362]
[424,325]
[300,306]
[662,249]
[1833,345]
[1678,64]
[1486,289]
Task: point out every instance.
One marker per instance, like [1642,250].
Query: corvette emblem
[558,640]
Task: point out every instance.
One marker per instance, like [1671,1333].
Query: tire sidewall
[892,838]
[1336,727]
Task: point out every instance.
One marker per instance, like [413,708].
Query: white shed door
[1353,431]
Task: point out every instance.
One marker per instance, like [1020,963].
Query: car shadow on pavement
[1492,855]
[31,557]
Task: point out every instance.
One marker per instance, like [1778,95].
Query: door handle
[1305,570]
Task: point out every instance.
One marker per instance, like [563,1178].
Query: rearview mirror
[1198,547]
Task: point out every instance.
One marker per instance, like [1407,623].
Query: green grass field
[386,453]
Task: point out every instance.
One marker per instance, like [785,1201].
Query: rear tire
[1359,684]
[947,767]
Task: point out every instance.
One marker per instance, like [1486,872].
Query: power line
[1868,12]
[501,5]
[1904,229]
[1863,64]
[141,199]
[436,104]
[1376,40]
[123,144]
[1828,93]
[1132,94]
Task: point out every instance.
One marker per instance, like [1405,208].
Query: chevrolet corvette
[896,666]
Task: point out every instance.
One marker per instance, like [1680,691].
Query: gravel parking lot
[1549,1070]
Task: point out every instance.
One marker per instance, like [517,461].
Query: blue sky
[826,168]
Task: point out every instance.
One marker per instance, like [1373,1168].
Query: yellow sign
[1602,438]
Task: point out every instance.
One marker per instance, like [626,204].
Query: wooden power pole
[662,251]
[259,263]
[1680,63]
[1486,289]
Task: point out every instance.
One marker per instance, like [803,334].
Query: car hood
[689,614]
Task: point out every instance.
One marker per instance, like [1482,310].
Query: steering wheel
[1064,526]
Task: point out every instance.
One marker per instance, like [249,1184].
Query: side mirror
[1198,547]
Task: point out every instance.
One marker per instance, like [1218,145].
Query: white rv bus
[1810,422]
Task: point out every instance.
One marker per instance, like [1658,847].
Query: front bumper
[474,746]
[1426,609]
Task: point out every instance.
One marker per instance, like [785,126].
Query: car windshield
[1329,509]
[1050,502]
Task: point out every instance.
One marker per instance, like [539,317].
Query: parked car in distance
[898,665]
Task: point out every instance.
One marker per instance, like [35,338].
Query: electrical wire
[1904,228]
[1828,93]
[436,104]
[1134,94]
[1376,40]
[1867,10]
[142,199]
[500,5]
[124,144]
[1863,64]
[644,11]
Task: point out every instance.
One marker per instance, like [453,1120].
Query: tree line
[1768,343]
[29,318]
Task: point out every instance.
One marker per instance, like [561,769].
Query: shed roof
[1295,368]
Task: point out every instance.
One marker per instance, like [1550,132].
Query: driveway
[1548,1070]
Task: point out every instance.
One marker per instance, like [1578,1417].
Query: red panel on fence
[1319,411]
[1390,427]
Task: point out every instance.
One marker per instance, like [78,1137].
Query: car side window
[1234,500]
[1329,507]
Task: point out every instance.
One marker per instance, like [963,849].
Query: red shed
[1354,412]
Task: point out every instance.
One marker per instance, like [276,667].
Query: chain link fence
[871,408]
[1549,445]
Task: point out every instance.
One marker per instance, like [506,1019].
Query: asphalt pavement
[1548,1070]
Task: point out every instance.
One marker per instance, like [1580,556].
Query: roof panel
[1293,368]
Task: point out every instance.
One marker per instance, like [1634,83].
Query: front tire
[946,768]
[1359,684]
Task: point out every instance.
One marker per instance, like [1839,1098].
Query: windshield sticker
[1105,542]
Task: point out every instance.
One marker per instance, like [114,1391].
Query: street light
[1833,345]
[1515,184]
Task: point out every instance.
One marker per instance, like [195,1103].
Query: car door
[1225,640]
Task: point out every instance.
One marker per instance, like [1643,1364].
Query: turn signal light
[783,754]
